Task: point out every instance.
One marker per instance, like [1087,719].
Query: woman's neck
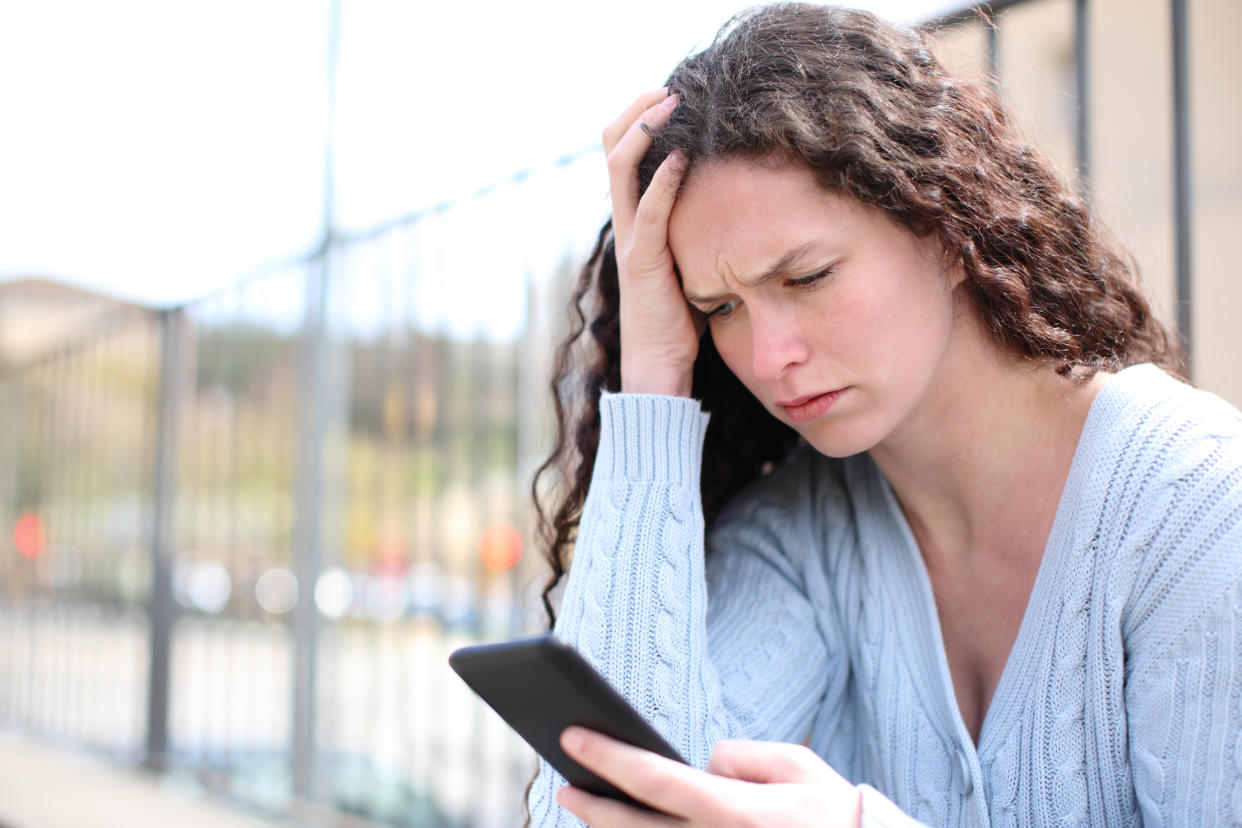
[980,467]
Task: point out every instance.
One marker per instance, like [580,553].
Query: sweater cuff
[878,811]
[650,437]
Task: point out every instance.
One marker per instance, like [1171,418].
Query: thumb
[765,762]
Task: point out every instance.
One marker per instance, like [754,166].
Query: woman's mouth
[810,407]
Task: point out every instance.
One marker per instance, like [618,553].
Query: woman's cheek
[732,341]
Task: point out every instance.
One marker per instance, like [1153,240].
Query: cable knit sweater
[813,619]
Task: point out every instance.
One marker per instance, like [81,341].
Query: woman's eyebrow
[782,265]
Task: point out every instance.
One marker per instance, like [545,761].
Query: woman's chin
[838,439]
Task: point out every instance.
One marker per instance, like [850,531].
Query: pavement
[42,786]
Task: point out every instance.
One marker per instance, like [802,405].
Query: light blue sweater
[813,619]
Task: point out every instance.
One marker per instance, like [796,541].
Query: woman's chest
[1048,721]
[980,609]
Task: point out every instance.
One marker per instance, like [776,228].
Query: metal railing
[253,527]
[1180,164]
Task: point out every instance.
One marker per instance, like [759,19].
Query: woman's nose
[777,343]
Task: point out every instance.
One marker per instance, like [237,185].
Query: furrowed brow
[782,265]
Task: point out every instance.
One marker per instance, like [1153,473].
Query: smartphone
[541,685]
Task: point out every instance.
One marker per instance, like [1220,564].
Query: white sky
[159,150]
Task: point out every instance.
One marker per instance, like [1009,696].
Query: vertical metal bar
[75,546]
[195,497]
[225,632]
[65,555]
[1082,78]
[59,609]
[308,551]
[129,735]
[1182,177]
[992,33]
[232,631]
[28,497]
[421,396]
[77,411]
[48,607]
[399,428]
[43,569]
[308,541]
[164,491]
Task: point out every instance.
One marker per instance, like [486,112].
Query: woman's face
[838,319]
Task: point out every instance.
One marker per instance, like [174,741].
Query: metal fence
[248,531]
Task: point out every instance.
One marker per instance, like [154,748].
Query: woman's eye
[812,279]
[722,311]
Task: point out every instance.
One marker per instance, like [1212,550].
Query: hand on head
[659,338]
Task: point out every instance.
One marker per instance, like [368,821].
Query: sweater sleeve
[1184,649]
[636,582]
[747,665]
[1185,720]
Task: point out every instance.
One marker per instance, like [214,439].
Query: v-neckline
[1014,675]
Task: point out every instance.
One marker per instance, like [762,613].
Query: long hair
[872,112]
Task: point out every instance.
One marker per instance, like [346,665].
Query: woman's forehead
[741,219]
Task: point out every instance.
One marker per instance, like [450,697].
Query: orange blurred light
[30,536]
[500,547]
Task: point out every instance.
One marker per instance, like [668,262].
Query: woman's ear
[951,267]
[956,274]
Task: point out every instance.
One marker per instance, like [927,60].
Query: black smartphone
[541,685]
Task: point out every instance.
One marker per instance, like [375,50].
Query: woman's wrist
[669,382]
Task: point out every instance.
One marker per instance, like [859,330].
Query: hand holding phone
[541,685]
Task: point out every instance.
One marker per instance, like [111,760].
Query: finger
[765,761]
[602,812]
[648,248]
[623,162]
[666,785]
[614,131]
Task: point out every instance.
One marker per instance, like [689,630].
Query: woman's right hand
[659,338]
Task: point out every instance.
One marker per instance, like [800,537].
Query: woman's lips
[803,409]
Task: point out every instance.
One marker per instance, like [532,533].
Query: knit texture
[1120,704]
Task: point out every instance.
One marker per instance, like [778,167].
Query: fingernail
[571,739]
[670,102]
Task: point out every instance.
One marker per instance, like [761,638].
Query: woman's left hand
[795,787]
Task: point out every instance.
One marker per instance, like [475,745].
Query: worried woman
[957,545]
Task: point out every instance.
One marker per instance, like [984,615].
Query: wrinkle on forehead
[743,227]
[780,266]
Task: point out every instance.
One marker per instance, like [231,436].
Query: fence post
[307,532]
[161,613]
[312,419]
[1082,79]
[1182,172]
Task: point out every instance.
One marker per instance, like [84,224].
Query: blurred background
[279,282]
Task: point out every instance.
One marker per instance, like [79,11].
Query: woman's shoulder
[1146,398]
[1155,436]
[1166,497]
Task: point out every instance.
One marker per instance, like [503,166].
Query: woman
[981,559]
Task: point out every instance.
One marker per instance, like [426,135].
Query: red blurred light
[500,548]
[30,536]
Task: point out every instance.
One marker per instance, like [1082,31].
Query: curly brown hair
[874,114]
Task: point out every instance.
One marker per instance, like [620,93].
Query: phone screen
[541,685]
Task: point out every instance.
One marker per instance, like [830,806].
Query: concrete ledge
[45,787]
